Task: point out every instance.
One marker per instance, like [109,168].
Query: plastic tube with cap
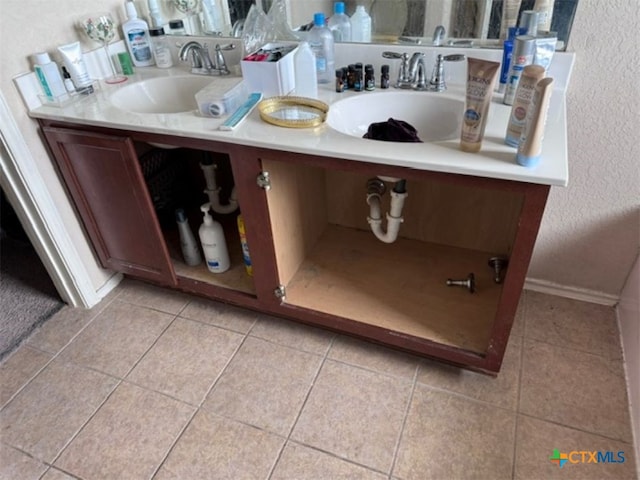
[530,148]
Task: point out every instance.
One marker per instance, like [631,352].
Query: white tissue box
[270,78]
[222,96]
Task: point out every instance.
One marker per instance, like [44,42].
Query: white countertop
[495,160]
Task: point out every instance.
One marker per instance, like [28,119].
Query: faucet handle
[437,82]
[394,55]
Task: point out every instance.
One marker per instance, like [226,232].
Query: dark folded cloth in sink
[392,131]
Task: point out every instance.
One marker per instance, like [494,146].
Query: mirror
[394,21]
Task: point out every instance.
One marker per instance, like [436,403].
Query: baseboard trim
[109,285]
[575,293]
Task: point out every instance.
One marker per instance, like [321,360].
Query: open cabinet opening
[175,180]
[329,260]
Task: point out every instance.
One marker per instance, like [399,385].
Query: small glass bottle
[176,27]
[160,48]
[384,77]
[369,78]
[340,80]
[358,84]
[351,76]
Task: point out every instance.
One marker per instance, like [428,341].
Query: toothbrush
[241,113]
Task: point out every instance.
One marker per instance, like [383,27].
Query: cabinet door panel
[104,178]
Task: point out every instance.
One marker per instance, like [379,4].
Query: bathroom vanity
[302,194]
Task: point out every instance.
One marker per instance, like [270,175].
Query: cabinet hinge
[280,292]
[264,180]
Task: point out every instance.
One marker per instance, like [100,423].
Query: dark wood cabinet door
[103,176]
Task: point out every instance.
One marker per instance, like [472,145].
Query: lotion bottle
[136,36]
[190,250]
[530,147]
[213,243]
[49,76]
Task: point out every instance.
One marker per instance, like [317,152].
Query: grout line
[577,429]
[519,390]
[198,407]
[396,449]
[304,403]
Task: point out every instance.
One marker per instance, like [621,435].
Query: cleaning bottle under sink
[213,243]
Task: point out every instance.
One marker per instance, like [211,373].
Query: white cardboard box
[270,78]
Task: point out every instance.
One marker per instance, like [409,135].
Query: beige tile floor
[156,384]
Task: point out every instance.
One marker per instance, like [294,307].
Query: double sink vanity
[130,154]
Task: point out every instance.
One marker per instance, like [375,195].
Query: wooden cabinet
[314,257]
[104,179]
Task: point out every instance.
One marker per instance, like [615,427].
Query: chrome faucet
[201,62]
[438,36]
[412,73]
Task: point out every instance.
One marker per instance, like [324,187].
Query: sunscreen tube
[72,58]
[531,75]
[530,147]
[481,77]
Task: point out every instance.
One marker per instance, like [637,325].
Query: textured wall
[591,230]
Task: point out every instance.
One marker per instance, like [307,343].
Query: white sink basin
[161,95]
[435,117]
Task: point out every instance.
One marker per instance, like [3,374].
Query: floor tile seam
[54,357]
[466,397]
[53,467]
[159,392]
[580,350]
[279,344]
[518,396]
[84,425]
[74,336]
[370,370]
[174,443]
[396,450]
[577,429]
[215,381]
[302,406]
[338,457]
[222,327]
[148,307]
[30,379]
[26,453]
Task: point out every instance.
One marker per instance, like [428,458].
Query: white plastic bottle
[136,36]
[321,42]
[360,25]
[190,250]
[213,243]
[48,76]
[304,63]
[340,24]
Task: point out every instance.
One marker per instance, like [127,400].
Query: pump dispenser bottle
[213,243]
[136,36]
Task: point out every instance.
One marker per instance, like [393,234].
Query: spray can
[245,247]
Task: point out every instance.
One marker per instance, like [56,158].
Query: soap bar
[222,96]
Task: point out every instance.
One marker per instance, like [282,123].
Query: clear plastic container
[305,70]
[361,25]
[339,24]
[160,47]
[321,42]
